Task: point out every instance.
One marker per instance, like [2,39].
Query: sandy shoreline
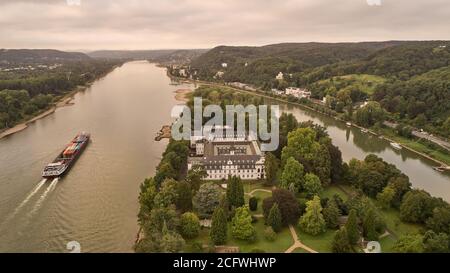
[182,94]
[63,102]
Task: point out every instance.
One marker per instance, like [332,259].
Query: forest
[25,92]
[410,79]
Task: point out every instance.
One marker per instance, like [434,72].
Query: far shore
[63,102]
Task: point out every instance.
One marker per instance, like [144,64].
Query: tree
[287,203]
[274,218]
[369,226]
[352,227]
[293,174]
[409,243]
[253,203]
[439,222]
[271,165]
[241,225]
[235,192]
[218,232]
[312,221]
[194,177]
[312,185]
[189,225]
[184,197]
[270,234]
[370,114]
[147,199]
[416,206]
[207,199]
[341,243]
[385,197]
[167,194]
[435,243]
[331,214]
[171,242]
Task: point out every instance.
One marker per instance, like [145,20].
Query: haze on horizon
[161,24]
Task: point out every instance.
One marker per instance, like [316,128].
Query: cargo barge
[65,160]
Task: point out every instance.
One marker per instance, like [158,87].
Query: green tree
[189,225]
[293,174]
[341,243]
[384,198]
[370,114]
[184,197]
[352,227]
[241,225]
[194,177]
[312,221]
[270,234]
[287,203]
[207,199]
[272,166]
[171,242]
[331,214]
[235,192]
[167,194]
[218,231]
[253,203]
[439,222]
[146,199]
[435,243]
[312,185]
[369,226]
[416,206]
[274,218]
[409,243]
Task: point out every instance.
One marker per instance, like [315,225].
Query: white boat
[396,146]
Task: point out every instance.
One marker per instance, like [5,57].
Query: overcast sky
[155,24]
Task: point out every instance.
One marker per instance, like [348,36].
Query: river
[96,203]
[355,144]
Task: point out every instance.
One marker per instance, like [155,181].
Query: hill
[39,55]
[162,56]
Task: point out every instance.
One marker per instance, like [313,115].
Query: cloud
[134,24]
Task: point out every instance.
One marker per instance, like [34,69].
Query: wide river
[96,203]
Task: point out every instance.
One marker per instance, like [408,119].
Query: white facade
[280,76]
[298,92]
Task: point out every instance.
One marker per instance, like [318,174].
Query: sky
[162,24]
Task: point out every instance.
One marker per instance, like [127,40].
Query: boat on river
[396,146]
[65,160]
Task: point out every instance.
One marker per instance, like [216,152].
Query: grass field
[320,243]
[364,82]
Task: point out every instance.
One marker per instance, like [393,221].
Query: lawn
[320,243]
[330,191]
[282,242]
[393,222]
[387,244]
[364,82]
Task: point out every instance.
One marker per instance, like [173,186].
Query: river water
[96,203]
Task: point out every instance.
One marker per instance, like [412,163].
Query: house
[182,72]
[223,156]
[280,76]
[277,92]
[298,92]
[224,65]
[219,74]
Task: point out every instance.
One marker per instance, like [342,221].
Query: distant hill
[316,61]
[39,55]
[164,55]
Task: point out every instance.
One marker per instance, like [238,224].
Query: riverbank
[183,94]
[438,161]
[63,101]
